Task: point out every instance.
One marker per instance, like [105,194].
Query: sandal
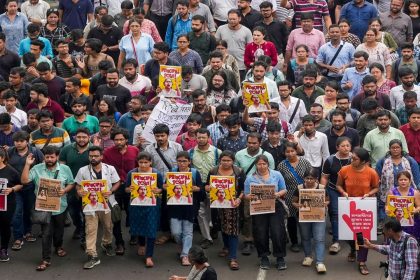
[60,252]
[149,263]
[363,269]
[234,265]
[185,261]
[223,253]
[141,251]
[162,240]
[351,257]
[43,266]
[17,245]
[30,238]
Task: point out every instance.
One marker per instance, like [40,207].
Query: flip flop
[363,269]
[43,266]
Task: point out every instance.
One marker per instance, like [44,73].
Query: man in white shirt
[396,95]
[19,117]
[35,11]
[137,84]
[292,109]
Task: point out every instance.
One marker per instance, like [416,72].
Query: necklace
[347,162]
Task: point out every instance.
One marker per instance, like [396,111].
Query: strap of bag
[49,137]
[294,111]
[335,56]
[252,165]
[134,49]
[56,174]
[163,159]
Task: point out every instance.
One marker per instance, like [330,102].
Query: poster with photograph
[222,191]
[312,205]
[255,96]
[179,188]
[93,200]
[401,208]
[143,184]
[170,81]
[357,215]
[47,197]
[263,200]
[3,197]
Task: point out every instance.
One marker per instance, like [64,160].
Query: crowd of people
[80,79]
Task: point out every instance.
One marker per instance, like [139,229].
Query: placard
[255,96]
[174,115]
[142,194]
[3,197]
[264,199]
[312,202]
[47,197]
[222,191]
[179,188]
[170,81]
[94,200]
[401,208]
[357,215]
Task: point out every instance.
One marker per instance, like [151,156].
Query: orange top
[358,183]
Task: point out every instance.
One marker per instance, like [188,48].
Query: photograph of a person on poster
[178,198]
[143,199]
[93,205]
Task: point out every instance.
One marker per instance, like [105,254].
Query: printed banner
[255,96]
[47,198]
[264,200]
[143,184]
[401,207]
[166,112]
[170,81]
[357,215]
[179,188]
[312,205]
[3,198]
[222,191]
[94,200]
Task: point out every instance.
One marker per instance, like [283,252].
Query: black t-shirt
[13,179]
[7,62]
[119,94]
[108,39]
[331,167]
[350,133]
[56,87]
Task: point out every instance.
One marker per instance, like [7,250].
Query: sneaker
[92,262]
[320,267]
[4,256]
[295,248]
[30,238]
[120,250]
[108,250]
[205,244]
[281,264]
[17,245]
[247,249]
[265,263]
[307,261]
[335,248]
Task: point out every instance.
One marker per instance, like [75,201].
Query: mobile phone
[360,240]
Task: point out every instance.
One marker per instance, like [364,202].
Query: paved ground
[131,266]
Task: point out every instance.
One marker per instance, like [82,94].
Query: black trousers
[52,233]
[123,200]
[292,228]
[267,226]
[6,222]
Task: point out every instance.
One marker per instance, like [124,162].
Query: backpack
[417,276]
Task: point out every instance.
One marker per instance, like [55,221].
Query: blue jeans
[21,222]
[182,231]
[317,232]
[381,210]
[149,242]
[333,211]
[230,242]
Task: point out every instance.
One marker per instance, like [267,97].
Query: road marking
[261,274]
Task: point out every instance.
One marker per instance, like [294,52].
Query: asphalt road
[130,266]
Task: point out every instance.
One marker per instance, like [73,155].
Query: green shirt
[377,143]
[204,161]
[244,160]
[64,175]
[90,122]
[73,158]
[308,100]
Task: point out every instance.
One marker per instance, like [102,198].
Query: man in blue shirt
[75,12]
[353,76]
[179,24]
[132,118]
[33,33]
[359,13]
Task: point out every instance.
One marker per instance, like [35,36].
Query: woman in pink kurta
[259,47]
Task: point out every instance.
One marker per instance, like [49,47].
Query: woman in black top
[9,184]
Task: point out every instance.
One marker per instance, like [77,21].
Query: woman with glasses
[229,217]
[388,167]
[54,30]
[137,45]
[361,181]
[186,56]
[14,25]
[378,52]
[182,216]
